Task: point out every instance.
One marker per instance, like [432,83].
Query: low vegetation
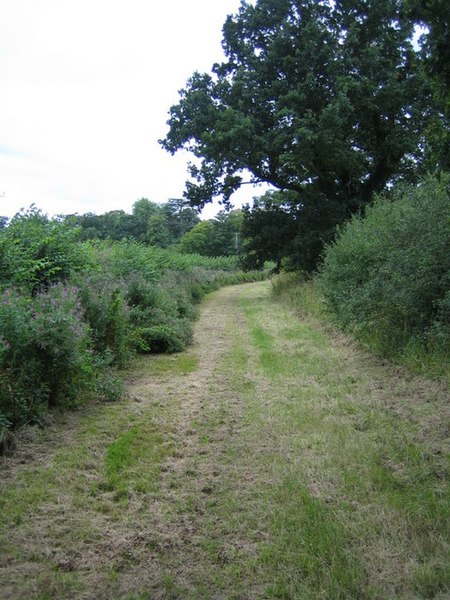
[363,477]
[274,459]
[278,458]
[386,279]
[73,312]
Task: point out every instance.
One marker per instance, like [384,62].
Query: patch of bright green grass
[264,343]
[279,359]
[133,460]
[182,364]
[310,555]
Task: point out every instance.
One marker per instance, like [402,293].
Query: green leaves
[327,100]
[36,252]
[387,276]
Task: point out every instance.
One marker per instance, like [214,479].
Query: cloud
[86,87]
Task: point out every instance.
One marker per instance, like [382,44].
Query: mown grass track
[274,459]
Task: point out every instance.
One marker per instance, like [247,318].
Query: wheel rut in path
[198,482]
[154,538]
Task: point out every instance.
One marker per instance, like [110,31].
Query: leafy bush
[72,311]
[125,259]
[167,335]
[387,276]
[106,311]
[36,252]
[160,316]
[44,353]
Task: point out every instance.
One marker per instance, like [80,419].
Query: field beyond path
[273,459]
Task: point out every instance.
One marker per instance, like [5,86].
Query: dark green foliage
[36,252]
[268,230]
[160,316]
[106,312]
[113,225]
[325,100]
[435,16]
[168,334]
[293,237]
[179,217]
[44,353]
[387,277]
[150,223]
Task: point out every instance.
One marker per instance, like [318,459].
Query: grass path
[274,459]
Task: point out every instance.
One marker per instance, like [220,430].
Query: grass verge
[72,516]
[372,449]
[418,355]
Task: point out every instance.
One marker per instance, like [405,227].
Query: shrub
[168,335]
[58,341]
[387,276]
[44,353]
[106,311]
[125,259]
[37,252]
[160,316]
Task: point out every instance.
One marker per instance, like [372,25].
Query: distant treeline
[169,224]
[150,223]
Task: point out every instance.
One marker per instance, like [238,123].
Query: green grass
[300,468]
[35,487]
[112,461]
[181,364]
[357,489]
[133,460]
[310,554]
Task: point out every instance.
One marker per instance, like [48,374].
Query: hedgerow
[387,276]
[37,252]
[46,356]
[72,313]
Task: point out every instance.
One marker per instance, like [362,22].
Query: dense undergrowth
[386,278]
[73,313]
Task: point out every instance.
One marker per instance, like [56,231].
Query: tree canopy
[150,223]
[325,100]
[220,236]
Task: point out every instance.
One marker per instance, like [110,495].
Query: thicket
[386,278]
[73,312]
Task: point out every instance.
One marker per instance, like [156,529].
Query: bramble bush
[387,276]
[162,289]
[160,316]
[102,298]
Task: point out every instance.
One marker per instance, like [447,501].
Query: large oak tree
[326,101]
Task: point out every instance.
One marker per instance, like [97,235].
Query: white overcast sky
[85,88]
